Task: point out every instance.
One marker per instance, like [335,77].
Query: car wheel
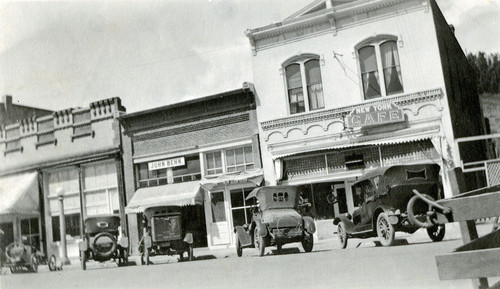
[436,233]
[190,253]
[260,245]
[33,263]
[239,250]
[385,230]
[341,232]
[84,260]
[307,242]
[52,263]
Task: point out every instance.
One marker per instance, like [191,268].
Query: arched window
[304,86]
[380,68]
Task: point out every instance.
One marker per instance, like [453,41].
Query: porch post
[62,227]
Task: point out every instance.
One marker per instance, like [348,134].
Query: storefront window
[240,207]
[239,159]
[191,171]
[214,163]
[72,226]
[151,178]
[30,233]
[317,195]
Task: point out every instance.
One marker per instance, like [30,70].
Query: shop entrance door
[219,225]
[340,206]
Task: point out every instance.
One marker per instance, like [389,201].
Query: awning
[254,176]
[179,194]
[19,194]
[403,136]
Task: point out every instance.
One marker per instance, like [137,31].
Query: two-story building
[201,154]
[346,86]
[74,154]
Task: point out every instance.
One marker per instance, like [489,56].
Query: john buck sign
[376,114]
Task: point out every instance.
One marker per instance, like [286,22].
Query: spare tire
[96,246]
[413,217]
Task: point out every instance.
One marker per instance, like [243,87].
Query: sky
[58,55]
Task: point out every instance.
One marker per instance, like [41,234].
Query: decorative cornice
[340,113]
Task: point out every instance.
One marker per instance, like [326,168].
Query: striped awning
[19,194]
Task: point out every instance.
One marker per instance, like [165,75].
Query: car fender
[84,246]
[262,228]
[123,242]
[309,224]
[349,225]
[243,236]
[188,238]
[394,219]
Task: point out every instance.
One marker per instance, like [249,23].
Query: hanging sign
[170,163]
[376,114]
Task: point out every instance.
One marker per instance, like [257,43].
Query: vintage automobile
[277,220]
[389,200]
[164,233]
[102,241]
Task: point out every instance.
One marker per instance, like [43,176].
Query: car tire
[52,263]
[342,234]
[411,213]
[308,242]
[114,245]
[190,253]
[33,263]
[239,250]
[436,233]
[259,241]
[84,260]
[385,230]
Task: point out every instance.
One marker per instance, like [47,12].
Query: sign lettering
[376,114]
[170,163]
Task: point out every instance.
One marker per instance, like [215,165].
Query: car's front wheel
[385,230]
[436,233]
[341,232]
[308,242]
[259,242]
[239,250]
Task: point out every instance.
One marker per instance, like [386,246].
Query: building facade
[11,113]
[202,155]
[76,152]
[347,86]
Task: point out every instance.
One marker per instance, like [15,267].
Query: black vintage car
[387,203]
[276,221]
[164,233]
[102,241]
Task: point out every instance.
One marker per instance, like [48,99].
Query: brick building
[202,154]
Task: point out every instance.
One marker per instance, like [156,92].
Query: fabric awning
[254,176]
[403,136]
[19,194]
[179,194]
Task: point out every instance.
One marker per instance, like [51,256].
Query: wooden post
[467,228]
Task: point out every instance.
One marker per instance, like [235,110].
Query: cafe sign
[376,114]
[169,163]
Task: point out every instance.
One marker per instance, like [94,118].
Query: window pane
[210,161]
[236,198]
[218,208]
[230,158]
[143,171]
[218,160]
[392,69]
[314,85]
[293,77]
[239,156]
[248,154]
[369,72]
[192,166]
[367,59]
[296,97]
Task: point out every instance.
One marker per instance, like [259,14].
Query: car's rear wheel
[190,253]
[385,230]
[260,245]
[341,232]
[308,242]
[84,260]
[52,263]
[436,233]
[239,250]
[33,263]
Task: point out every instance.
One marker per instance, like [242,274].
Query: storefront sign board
[376,114]
[169,163]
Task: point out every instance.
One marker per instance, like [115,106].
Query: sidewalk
[452,233]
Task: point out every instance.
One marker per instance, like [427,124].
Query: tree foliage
[487,71]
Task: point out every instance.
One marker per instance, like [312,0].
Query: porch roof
[19,194]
